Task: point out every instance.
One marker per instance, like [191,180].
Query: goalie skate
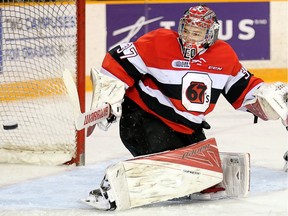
[98,201]
[98,198]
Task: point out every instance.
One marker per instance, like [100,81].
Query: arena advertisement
[36,37]
[244,25]
[1,43]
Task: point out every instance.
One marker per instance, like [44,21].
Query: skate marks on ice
[63,191]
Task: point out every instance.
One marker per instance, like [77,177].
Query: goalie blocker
[171,174]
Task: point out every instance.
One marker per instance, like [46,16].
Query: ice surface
[34,190]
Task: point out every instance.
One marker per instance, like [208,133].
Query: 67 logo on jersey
[196,91]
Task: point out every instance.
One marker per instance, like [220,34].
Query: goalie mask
[198,30]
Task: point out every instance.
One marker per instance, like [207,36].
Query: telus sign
[245,26]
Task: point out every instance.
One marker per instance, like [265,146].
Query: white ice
[37,190]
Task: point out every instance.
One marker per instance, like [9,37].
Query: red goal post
[39,40]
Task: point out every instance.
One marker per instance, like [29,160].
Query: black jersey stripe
[175,91]
[215,93]
[126,65]
[165,111]
[237,89]
[169,90]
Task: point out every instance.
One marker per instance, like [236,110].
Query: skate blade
[94,204]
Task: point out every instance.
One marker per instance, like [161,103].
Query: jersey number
[128,51]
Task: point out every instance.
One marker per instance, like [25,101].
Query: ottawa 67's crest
[196,91]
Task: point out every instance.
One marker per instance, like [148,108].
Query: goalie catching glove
[270,102]
[106,90]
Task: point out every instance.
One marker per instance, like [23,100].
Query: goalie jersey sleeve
[177,91]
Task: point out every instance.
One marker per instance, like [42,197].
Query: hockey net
[39,39]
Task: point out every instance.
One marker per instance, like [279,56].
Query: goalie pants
[143,133]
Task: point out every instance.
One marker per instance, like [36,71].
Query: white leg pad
[164,176]
[236,173]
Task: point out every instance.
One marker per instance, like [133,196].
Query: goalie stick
[92,117]
[87,119]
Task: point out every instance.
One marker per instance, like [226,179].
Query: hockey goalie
[161,87]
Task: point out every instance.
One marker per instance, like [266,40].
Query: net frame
[79,157]
[80,59]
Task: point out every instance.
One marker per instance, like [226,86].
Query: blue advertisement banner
[244,25]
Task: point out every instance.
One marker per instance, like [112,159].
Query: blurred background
[257,30]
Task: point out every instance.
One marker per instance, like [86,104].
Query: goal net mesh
[38,41]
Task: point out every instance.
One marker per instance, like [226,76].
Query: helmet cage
[201,17]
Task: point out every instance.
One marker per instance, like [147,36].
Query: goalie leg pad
[164,176]
[236,178]
[236,174]
[173,174]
